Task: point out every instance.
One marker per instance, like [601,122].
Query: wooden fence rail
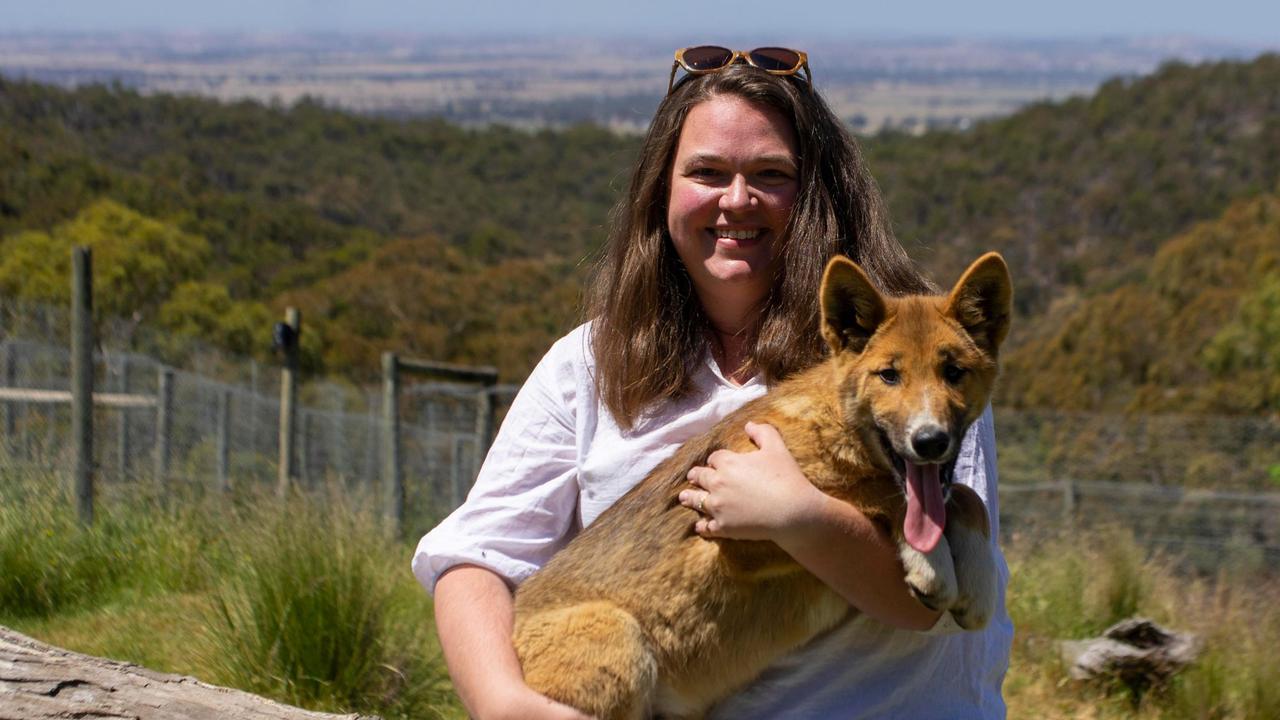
[294,426]
[53,397]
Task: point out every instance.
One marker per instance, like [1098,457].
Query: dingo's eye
[889,376]
[952,373]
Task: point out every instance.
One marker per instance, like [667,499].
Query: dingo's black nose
[929,443]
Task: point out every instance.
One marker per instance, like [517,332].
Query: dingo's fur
[639,615]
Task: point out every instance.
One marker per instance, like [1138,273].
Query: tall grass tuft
[1074,584]
[50,562]
[1237,677]
[308,602]
[1061,587]
[312,613]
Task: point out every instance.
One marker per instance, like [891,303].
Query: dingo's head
[920,370]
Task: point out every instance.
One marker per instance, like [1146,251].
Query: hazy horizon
[1236,21]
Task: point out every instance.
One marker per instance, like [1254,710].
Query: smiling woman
[746,185]
[733,184]
[835,208]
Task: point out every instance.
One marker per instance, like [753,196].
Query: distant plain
[905,83]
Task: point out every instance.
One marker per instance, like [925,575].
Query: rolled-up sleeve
[522,506]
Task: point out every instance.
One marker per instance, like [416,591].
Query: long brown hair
[649,332]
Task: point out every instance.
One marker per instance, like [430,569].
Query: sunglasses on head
[703,59]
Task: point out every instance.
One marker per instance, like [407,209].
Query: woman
[745,185]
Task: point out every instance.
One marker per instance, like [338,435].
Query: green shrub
[307,615]
[1075,584]
[51,562]
[47,559]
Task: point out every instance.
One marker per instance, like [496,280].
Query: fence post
[392,474]
[82,380]
[9,410]
[457,478]
[1069,497]
[337,458]
[372,454]
[485,407]
[123,447]
[224,440]
[305,475]
[289,403]
[164,428]
[253,406]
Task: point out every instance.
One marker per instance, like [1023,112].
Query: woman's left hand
[757,495]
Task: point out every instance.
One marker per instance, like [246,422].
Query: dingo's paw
[975,566]
[931,576]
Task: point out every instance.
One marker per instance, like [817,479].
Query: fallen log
[1137,652]
[39,681]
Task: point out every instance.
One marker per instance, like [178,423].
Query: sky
[1237,20]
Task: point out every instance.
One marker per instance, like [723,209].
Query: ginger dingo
[640,616]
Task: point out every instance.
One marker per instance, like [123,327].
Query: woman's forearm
[763,495]
[845,550]
[474,619]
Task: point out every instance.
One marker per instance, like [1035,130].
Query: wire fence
[1198,486]
[224,436]
[1204,530]
[1194,451]
[1205,490]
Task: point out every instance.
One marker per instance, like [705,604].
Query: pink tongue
[926,512]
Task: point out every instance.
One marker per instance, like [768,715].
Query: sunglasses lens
[706,57]
[774,58]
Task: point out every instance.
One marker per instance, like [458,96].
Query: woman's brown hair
[648,330]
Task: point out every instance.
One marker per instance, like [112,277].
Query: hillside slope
[1072,191]
[1194,329]
[470,245]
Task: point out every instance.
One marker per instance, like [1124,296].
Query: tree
[137,260]
[205,311]
[1248,347]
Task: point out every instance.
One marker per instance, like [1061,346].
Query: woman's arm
[520,510]
[763,495]
[845,550]
[474,619]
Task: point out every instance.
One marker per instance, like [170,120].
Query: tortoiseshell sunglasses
[704,59]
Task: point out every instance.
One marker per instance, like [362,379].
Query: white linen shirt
[560,460]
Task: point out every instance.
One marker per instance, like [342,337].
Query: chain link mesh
[1199,485]
[225,433]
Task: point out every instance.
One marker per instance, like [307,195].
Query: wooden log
[1136,652]
[41,682]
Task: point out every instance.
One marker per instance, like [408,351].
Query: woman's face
[733,183]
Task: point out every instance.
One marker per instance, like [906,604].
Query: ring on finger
[702,501]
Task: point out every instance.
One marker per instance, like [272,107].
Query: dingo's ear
[982,301]
[852,308]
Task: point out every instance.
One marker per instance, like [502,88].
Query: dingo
[638,615]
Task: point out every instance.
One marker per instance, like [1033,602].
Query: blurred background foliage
[1142,225]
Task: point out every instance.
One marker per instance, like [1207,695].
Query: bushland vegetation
[308,601]
[1139,223]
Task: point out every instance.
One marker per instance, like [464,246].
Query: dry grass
[308,602]
[159,606]
[1073,585]
[164,632]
